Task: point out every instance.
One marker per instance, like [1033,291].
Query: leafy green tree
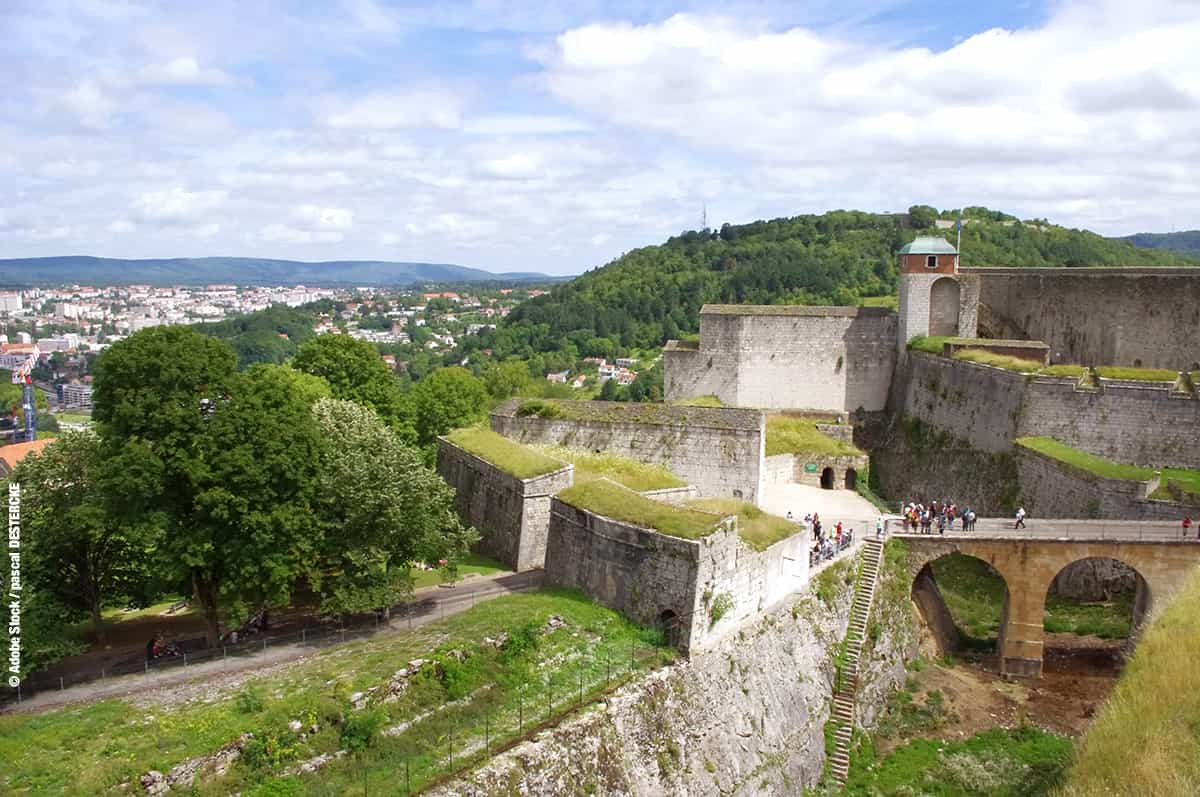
[506,379]
[447,399]
[381,508]
[90,538]
[251,534]
[922,216]
[262,346]
[355,372]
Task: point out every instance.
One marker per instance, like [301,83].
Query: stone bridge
[1029,559]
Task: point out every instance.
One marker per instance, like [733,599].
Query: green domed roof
[928,245]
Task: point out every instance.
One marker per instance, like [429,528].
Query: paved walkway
[1053,529]
[846,506]
[429,604]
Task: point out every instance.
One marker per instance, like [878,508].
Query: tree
[446,399]
[506,379]
[90,539]
[251,533]
[355,372]
[381,508]
[922,216]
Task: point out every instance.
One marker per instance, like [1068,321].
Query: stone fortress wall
[669,582]
[718,450]
[511,514]
[1138,423]
[838,359]
[1096,316]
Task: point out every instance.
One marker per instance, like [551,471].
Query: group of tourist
[826,543]
[940,515]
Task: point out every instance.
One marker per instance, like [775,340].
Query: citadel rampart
[1051,488]
[1096,316]
[672,583]
[838,359]
[718,450]
[1139,423]
[511,514]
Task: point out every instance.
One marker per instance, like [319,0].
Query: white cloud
[177,204]
[285,234]
[324,218]
[90,104]
[121,226]
[524,125]
[184,71]
[435,109]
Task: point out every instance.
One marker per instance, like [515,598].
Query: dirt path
[206,678]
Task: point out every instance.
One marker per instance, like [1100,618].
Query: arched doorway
[668,625]
[851,479]
[964,603]
[944,298]
[1094,608]
[827,479]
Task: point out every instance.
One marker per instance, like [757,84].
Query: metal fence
[1048,529]
[314,635]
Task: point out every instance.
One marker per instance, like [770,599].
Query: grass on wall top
[786,435]
[635,475]
[1084,461]
[756,528]
[614,501]
[512,458]
[1137,374]
[700,401]
[1146,739]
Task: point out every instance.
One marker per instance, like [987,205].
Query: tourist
[879,527]
[1187,526]
[1020,524]
[970,520]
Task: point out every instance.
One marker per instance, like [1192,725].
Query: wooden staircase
[847,682]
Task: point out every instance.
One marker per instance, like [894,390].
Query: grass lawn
[472,563]
[1138,374]
[520,461]
[930,344]
[613,501]
[1146,738]
[635,475]
[1024,762]
[535,674]
[700,401]
[756,528]
[1107,620]
[800,436]
[73,417]
[1008,363]
[1084,461]
[892,302]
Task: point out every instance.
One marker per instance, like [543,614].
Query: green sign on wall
[810,468]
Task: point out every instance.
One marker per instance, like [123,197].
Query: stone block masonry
[512,515]
[836,359]
[1140,423]
[668,582]
[718,450]
[1098,316]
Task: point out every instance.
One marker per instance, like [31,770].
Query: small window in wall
[931,261]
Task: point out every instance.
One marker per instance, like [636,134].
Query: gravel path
[207,678]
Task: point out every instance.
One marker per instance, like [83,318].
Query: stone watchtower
[935,299]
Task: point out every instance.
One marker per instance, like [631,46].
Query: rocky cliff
[745,717]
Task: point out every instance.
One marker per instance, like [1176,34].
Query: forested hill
[1186,242]
[655,293]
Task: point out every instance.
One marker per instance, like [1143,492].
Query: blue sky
[553,137]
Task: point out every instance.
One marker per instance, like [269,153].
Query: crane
[21,376]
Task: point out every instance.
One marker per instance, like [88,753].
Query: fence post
[185,658]
[264,643]
[60,680]
[224,651]
[632,647]
[407,780]
[304,635]
[581,683]
[520,713]
[451,747]
[607,669]
[18,693]
[487,739]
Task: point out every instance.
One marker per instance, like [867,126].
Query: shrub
[538,408]
[361,730]
[523,639]
[250,699]
[721,605]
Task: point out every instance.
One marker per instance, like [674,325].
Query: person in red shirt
[1187,526]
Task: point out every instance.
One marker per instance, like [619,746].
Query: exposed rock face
[745,717]
[1094,579]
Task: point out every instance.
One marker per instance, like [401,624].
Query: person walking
[1020,524]
[879,527]
[1187,526]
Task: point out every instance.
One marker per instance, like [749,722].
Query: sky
[525,136]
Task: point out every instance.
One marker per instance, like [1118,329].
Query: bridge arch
[947,635]
[1098,579]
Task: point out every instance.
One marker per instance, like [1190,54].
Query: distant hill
[841,257]
[242,271]
[1185,243]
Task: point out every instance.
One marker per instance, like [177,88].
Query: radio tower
[704,216]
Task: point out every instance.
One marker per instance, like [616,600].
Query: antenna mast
[704,216]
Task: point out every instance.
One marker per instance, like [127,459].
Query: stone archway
[948,633]
[668,624]
[1097,581]
[944,297]
[851,479]
[827,479]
